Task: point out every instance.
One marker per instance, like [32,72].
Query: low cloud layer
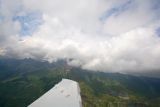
[101,35]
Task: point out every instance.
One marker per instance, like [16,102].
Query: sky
[100,35]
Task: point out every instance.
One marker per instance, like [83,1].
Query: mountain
[23,81]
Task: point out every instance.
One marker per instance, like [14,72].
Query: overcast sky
[104,35]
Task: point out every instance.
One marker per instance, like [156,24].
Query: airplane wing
[64,94]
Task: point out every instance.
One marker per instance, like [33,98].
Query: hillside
[23,81]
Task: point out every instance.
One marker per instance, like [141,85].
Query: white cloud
[137,13]
[72,29]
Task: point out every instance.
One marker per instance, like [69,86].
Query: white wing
[65,94]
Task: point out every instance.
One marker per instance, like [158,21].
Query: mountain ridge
[29,79]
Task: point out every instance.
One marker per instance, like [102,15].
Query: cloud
[99,35]
[129,16]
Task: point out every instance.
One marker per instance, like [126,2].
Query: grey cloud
[72,29]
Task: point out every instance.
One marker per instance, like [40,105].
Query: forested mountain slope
[23,81]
